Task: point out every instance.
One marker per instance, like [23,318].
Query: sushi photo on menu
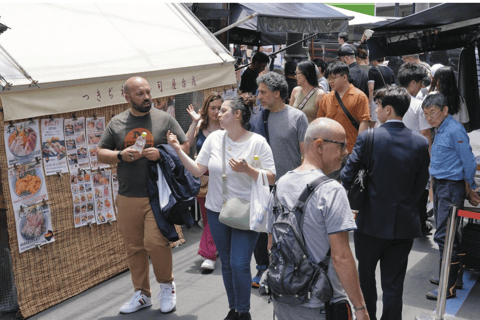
[22,142]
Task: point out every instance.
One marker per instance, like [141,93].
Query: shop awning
[443,27]
[81,55]
[275,20]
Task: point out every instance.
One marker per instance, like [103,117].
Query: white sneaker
[167,297]
[137,302]
[208,264]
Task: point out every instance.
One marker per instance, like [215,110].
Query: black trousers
[261,250]
[393,257]
[422,207]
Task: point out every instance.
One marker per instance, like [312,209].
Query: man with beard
[137,224]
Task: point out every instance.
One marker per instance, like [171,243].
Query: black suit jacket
[398,175]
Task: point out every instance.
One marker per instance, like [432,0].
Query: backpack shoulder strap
[308,190]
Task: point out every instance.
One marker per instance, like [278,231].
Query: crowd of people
[309,119]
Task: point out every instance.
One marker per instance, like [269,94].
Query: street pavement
[202,296]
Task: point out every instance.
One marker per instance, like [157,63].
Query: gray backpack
[292,276]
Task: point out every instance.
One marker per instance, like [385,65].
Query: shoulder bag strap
[224,174]
[306,98]
[381,75]
[265,123]
[352,120]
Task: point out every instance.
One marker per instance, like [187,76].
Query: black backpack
[292,276]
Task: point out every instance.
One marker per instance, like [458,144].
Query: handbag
[235,212]
[357,192]
[259,200]
[345,110]
[202,193]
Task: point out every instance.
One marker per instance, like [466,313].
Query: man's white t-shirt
[414,118]
[239,184]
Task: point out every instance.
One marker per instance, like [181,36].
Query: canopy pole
[281,50]
[19,67]
[233,25]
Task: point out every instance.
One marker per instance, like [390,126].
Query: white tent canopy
[81,55]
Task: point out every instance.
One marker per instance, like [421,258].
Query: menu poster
[115,187]
[95,127]
[22,142]
[27,185]
[34,226]
[103,196]
[76,144]
[54,151]
[83,200]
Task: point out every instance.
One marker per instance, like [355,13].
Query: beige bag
[235,212]
[203,186]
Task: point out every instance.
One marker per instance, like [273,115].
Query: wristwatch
[119,156]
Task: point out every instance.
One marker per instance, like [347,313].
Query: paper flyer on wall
[95,128]
[103,196]
[76,144]
[83,199]
[54,151]
[34,226]
[115,187]
[22,142]
[27,185]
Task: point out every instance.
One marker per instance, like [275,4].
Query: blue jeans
[235,248]
[445,193]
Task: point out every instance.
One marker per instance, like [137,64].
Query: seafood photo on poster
[22,142]
[34,226]
[54,151]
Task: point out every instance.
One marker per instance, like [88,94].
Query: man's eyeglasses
[432,114]
[342,144]
[331,79]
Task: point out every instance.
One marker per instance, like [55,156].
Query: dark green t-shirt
[122,131]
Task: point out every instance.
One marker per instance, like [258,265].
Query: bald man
[327,218]
[136,222]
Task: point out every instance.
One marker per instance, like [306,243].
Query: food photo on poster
[54,150]
[34,226]
[103,196]
[95,128]
[27,185]
[22,141]
[83,199]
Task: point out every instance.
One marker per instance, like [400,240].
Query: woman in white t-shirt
[234,246]
[444,82]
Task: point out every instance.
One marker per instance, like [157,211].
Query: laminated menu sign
[95,127]
[27,185]
[103,196]
[22,142]
[54,151]
[76,144]
[83,199]
[34,226]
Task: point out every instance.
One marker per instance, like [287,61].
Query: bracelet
[358,309]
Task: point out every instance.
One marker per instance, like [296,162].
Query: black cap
[346,50]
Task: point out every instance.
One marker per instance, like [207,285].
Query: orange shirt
[356,103]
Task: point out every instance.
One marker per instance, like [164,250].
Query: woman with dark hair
[234,246]
[307,95]
[445,83]
[203,123]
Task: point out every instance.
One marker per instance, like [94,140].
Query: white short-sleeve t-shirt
[414,118]
[239,184]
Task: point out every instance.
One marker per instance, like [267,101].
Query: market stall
[63,71]
[445,26]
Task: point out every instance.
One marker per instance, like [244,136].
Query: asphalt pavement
[202,296]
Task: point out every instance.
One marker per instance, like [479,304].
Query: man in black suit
[389,219]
